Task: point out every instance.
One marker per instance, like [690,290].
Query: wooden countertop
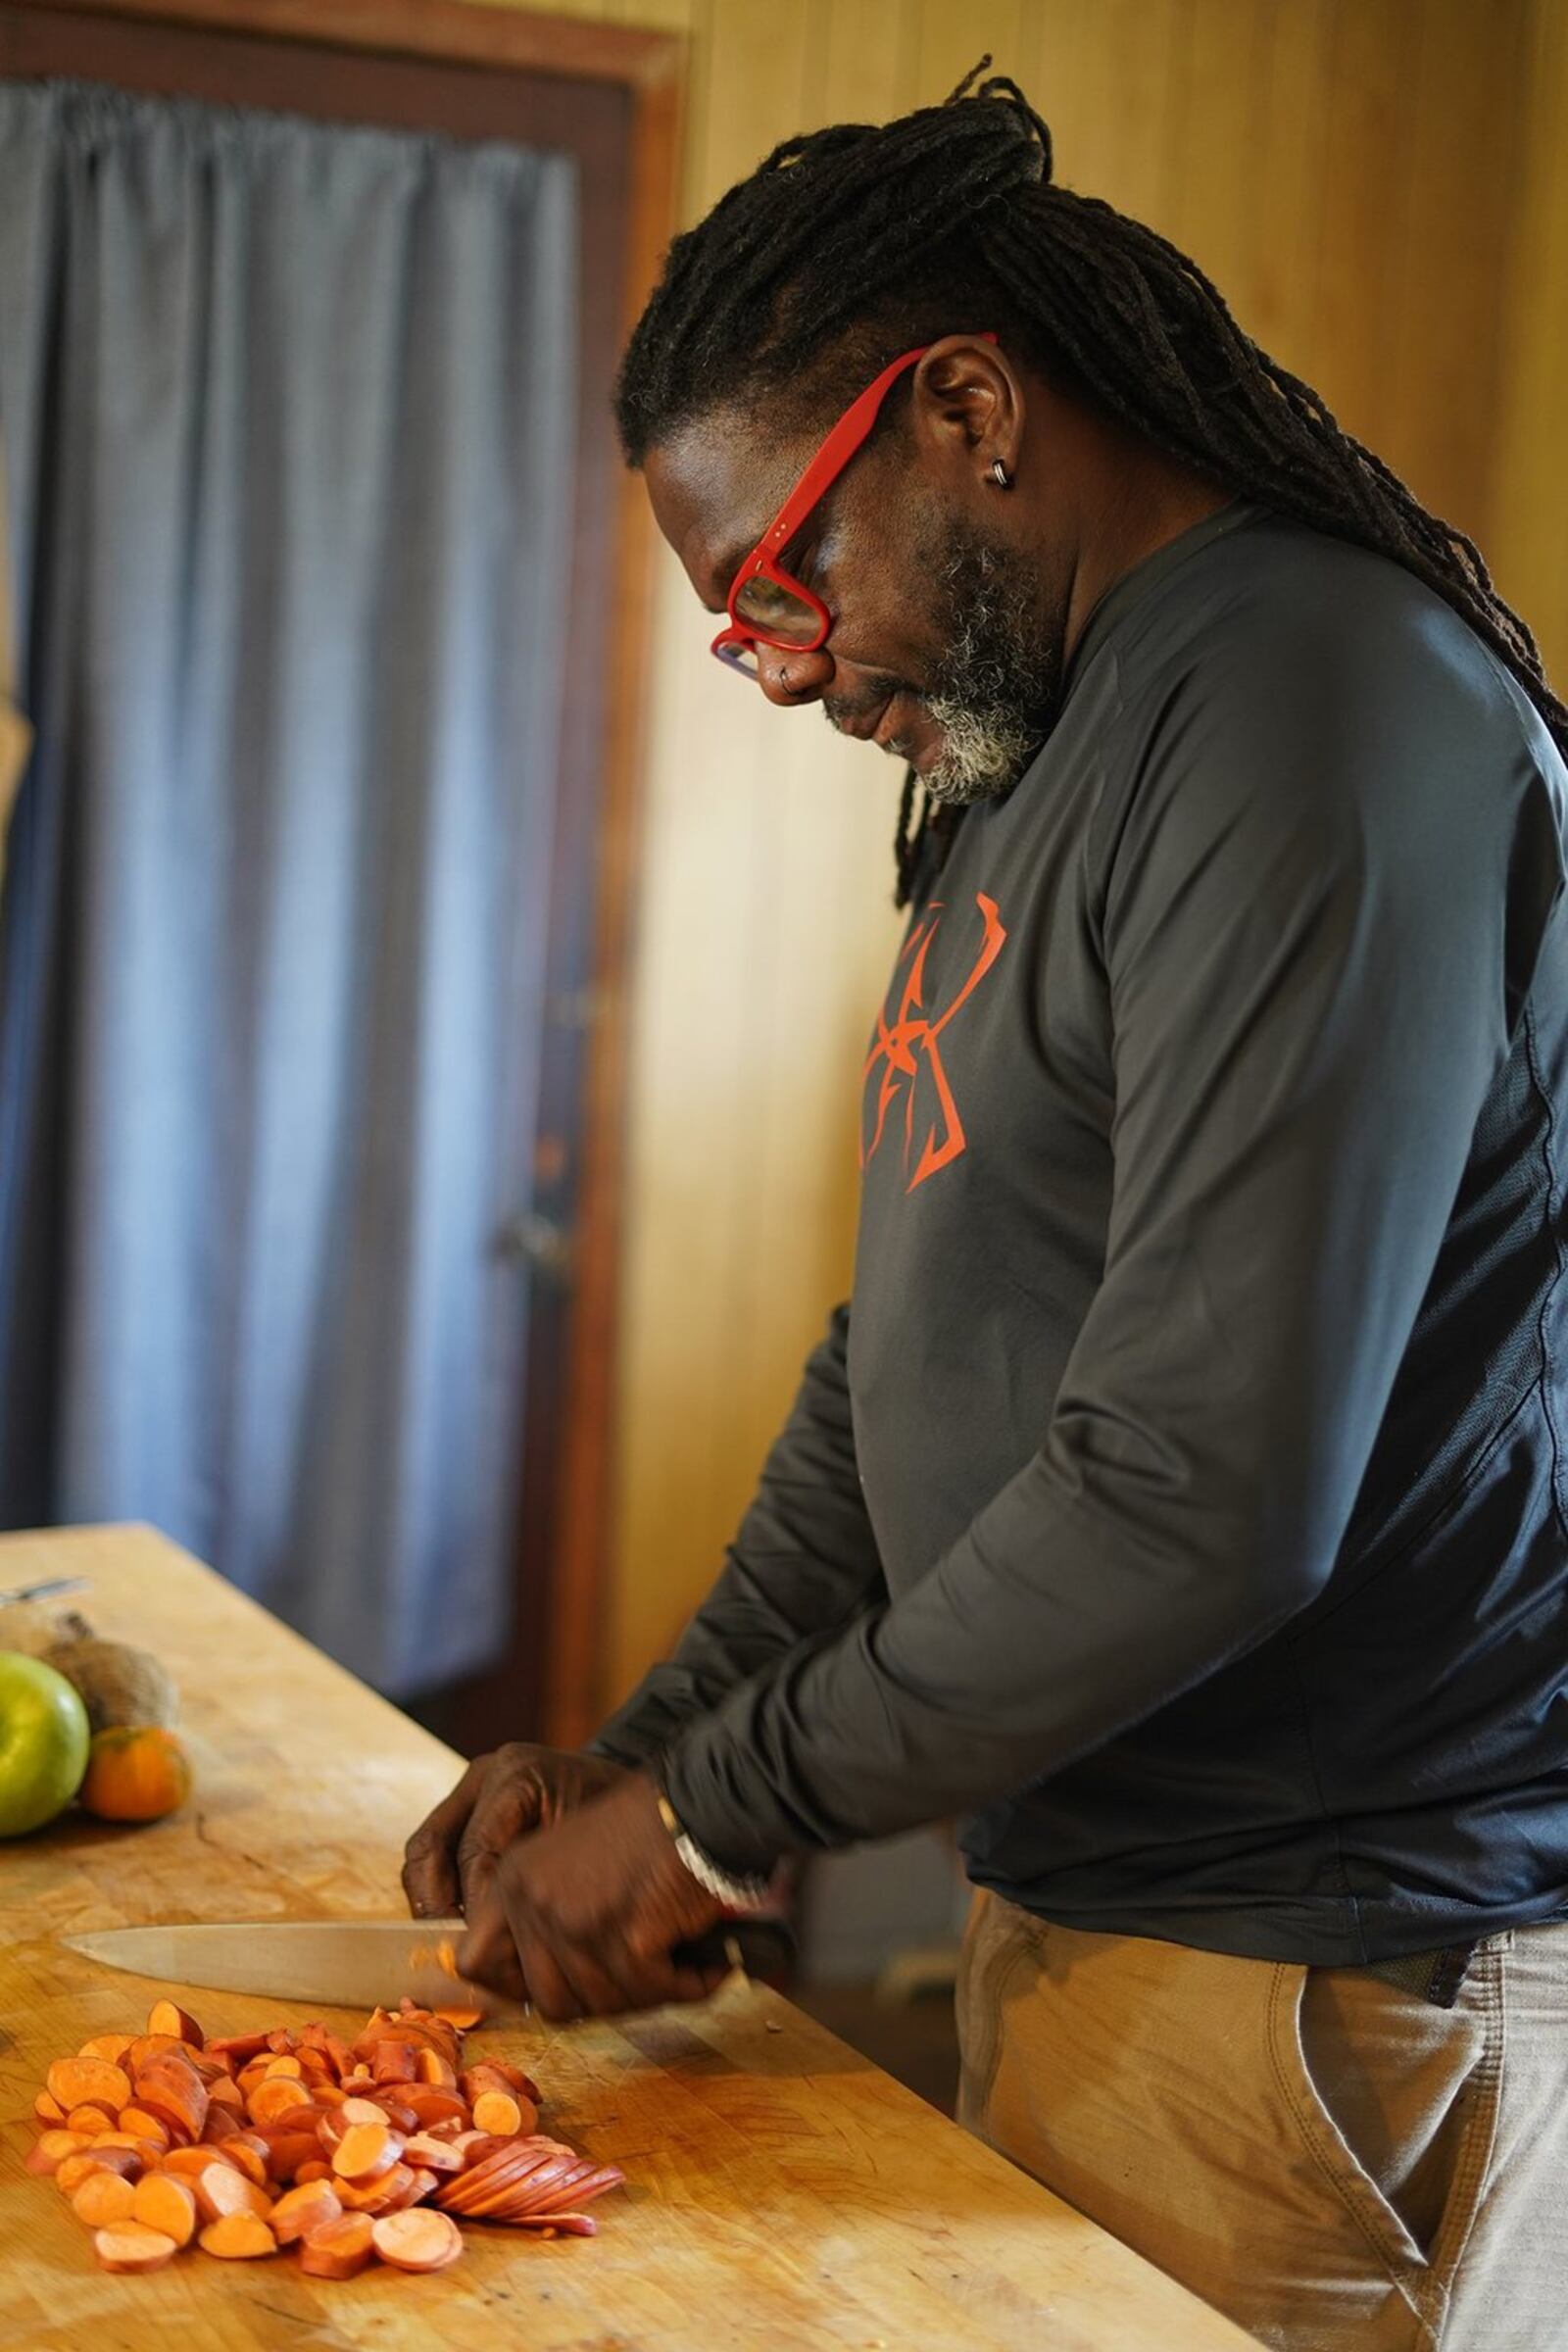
[782,2191]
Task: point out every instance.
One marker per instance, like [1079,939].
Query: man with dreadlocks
[1180,1500]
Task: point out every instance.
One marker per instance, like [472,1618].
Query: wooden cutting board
[784,2194]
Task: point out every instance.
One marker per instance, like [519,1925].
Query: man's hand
[582,1919]
[450,1859]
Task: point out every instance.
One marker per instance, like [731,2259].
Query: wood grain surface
[782,2191]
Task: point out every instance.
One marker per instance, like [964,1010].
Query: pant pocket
[1382,2088]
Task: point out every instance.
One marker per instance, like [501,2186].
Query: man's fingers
[487,1954]
[430,1874]
[509,1808]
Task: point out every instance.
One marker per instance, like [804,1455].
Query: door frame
[548,1685]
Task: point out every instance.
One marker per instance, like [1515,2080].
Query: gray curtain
[288,415]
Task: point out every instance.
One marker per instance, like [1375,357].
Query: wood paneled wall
[1378,188]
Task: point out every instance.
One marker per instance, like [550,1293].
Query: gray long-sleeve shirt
[1180,1499]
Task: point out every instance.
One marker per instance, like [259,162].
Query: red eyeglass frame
[837,449]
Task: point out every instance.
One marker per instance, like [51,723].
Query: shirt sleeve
[1319,911]
[804,1561]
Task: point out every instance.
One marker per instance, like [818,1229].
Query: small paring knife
[366,1963]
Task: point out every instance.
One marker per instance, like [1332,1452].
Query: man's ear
[967,408]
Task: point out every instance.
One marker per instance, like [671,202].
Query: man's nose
[788,675]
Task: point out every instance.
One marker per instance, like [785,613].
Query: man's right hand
[450,1859]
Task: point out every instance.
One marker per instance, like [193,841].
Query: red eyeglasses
[766,604]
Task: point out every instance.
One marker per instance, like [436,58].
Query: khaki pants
[1335,2162]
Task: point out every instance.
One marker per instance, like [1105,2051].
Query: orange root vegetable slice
[144,2124]
[316,2169]
[89,2083]
[285,2064]
[104,2198]
[147,2046]
[553,2224]
[499,2112]
[224,2092]
[109,2046]
[131,2247]
[48,2109]
[433,2155]
[396,2062]
[278,2096]
[417,2240]
[50,2150]
[166,2203]
[173,2092]
[338,2249]
[222,2191]
[434,2105]
[465,2020]
[431,2068]
[90,2120]
[385,2194]
[362,2111]
[393,2111]
[237,2237]
[237,2046]
[167,2017]
[307,2207]
[289,2150]
[248,2154]
[187,2164]
[367,2150]
[583,2191]
[71,2175]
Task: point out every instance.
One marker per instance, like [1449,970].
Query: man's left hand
[581,1919]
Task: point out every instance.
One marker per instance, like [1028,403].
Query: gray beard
[994,696]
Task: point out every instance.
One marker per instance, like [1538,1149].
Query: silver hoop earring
[999,474]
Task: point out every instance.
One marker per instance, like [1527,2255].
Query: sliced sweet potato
[187,2163]
[70,2176]
[165,2202]
[109,2046]
[417,2240]
[131,2247]
[104,2198]
[144,2124]
[89,2083]
[48,2109]
[338,2249]
[238,2046]
[307,2207]
[172,2089]
[499,2112]
[367,2150]
[50,2150]
[93,2120]
[278,2096]
[167,2017]
[220,2191]
[237,2237]
[433,2105]
[433,2155]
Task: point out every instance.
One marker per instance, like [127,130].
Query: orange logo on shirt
[908,1045]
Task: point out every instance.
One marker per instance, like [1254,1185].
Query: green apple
[44,1741]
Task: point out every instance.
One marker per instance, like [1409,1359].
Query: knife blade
[360,1963]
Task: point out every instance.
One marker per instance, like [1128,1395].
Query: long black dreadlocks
[847,247]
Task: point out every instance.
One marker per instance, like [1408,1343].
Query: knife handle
[764,1947]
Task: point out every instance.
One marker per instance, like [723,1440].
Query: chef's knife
[359,1963]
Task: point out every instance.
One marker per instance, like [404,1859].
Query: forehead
[714,486]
